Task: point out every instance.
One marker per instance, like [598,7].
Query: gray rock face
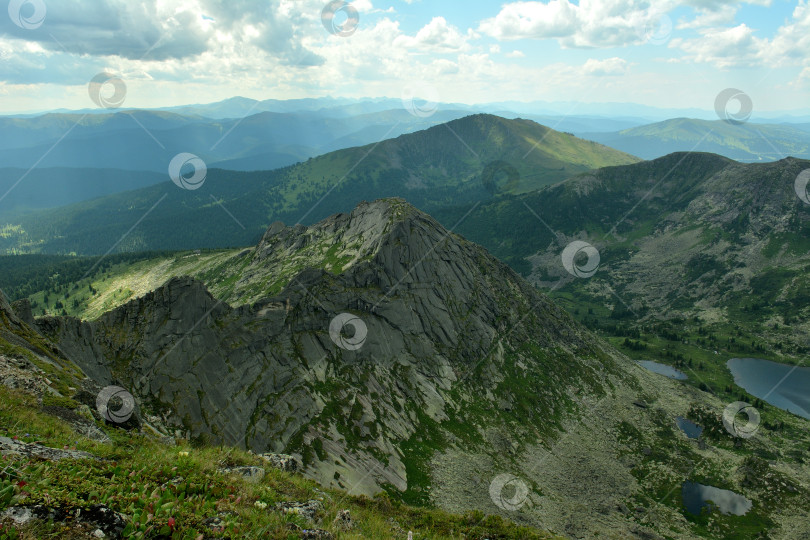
[13,447]
[253,475]
[451,335]
[308,510]
[23,374]
[22,308]
[343,520]
[282,462]
[98,520]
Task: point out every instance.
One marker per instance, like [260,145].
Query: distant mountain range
[243,134]
[747,142]
[148,140]
[469,159]
[238,106]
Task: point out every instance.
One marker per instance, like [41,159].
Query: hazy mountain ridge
[119,139]
[435,167]
[748,142]
[40,188]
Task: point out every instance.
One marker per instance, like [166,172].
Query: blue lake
[781,385]
[697,496]
[691,429]
[663,369]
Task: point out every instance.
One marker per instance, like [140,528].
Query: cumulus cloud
[792,41]
[169,49]
[602,23]
[740,46]
[155,30]
[436,36]
[117,27]
[721,15]
[591,23]
[609,67]
[724,47]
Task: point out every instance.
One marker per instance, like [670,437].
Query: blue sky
[663,53]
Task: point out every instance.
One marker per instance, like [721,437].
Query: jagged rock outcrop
[19,448]
[95,521]
[250,474]
[282,462]
[26,355]
[22,308]
[445,322]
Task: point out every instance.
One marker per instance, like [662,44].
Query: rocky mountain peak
[364,228]
[436,324]
[388,228]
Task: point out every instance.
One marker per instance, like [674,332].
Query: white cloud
[609,67]
[724,47]
[281,49]
[591,23]
[710,17]
[803,80]
[436,36]
[792,41]
[739,46]
[521,20]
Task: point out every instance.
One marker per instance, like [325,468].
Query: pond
[663,369]
[781,385]
[698,496]
[691,429]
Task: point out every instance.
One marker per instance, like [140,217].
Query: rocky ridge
[452,371]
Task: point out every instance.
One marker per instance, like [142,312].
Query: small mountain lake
[691,429]
[764,379]
[698,496]
[663,369]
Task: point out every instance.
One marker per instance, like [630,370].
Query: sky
[661,53]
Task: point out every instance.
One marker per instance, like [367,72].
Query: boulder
[13,447]
[307,510]
[253,475]
[91,519]
[282,462]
